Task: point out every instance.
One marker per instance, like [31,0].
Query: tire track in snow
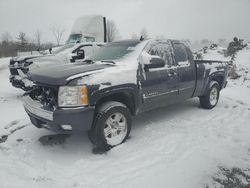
[11,128]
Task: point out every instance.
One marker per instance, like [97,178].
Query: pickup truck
[69,53]
[120,80]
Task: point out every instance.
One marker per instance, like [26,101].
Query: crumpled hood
[47,61]
[62,74]
[27,57]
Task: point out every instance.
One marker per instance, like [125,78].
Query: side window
[163,50]
[180,53]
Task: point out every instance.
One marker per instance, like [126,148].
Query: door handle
[172,74]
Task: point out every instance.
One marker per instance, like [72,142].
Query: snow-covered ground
[178,146]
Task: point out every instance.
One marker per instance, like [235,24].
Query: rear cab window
[162,49]
[181,55]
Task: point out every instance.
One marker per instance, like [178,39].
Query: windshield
[62,48]
[74,38]
[113,51]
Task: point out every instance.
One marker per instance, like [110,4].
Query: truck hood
[27,57]
[62,74]
[49,60]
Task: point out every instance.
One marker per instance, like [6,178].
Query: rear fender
[218,76]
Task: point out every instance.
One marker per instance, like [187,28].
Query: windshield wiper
[89,61]
[108,61]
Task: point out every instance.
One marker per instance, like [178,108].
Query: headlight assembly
[72,96]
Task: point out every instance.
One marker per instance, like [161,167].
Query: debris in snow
[232,178]
[3,138]
[49,140]
[19,140]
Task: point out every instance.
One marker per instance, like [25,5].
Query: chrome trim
[184,88]
[157,95]
[163,68]
[36,108]
[83,74]
[16,66]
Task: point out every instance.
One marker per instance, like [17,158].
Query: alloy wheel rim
[115,128]
[213,96]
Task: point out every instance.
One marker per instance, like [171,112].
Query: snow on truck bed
[177,146]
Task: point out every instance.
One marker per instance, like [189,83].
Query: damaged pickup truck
[119,81]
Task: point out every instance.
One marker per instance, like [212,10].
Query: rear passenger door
[186,70]
[158,85]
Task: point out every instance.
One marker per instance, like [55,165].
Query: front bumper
[79,119]
[21,82]
[18,78]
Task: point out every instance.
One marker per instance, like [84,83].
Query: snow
[216,53]
[177,146]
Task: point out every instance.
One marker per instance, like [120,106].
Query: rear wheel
[211,98]
[111,125]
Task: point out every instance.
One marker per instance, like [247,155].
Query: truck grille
[47,96]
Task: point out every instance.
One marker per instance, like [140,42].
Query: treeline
[22,43]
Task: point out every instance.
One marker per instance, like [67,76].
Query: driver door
[158,85]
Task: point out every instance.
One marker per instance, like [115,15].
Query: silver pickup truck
[70,53]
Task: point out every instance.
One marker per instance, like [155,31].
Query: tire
[111,126]
[211,98]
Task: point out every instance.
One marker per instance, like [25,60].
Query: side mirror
[155,63]
[80,54]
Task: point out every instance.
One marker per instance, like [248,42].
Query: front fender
[96,94]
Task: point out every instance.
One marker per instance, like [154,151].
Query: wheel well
[218,79]
[123,97]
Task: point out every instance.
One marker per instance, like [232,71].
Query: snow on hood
[48,60]
[21,58]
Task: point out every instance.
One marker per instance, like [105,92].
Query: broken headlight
[72,96]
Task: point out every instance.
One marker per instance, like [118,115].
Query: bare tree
[38,36]
[58,32]
[144,33]
[112,31]
[6,37]
[22,40]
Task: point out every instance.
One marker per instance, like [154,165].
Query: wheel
[111,126]
[211,98]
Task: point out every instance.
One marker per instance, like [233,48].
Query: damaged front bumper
[21,82]
[66,120]
[18,77]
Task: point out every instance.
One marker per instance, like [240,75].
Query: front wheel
[211,98]
[111,125]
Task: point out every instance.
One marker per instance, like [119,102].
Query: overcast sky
[179,19]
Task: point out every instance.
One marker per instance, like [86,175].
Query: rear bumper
[78,119]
